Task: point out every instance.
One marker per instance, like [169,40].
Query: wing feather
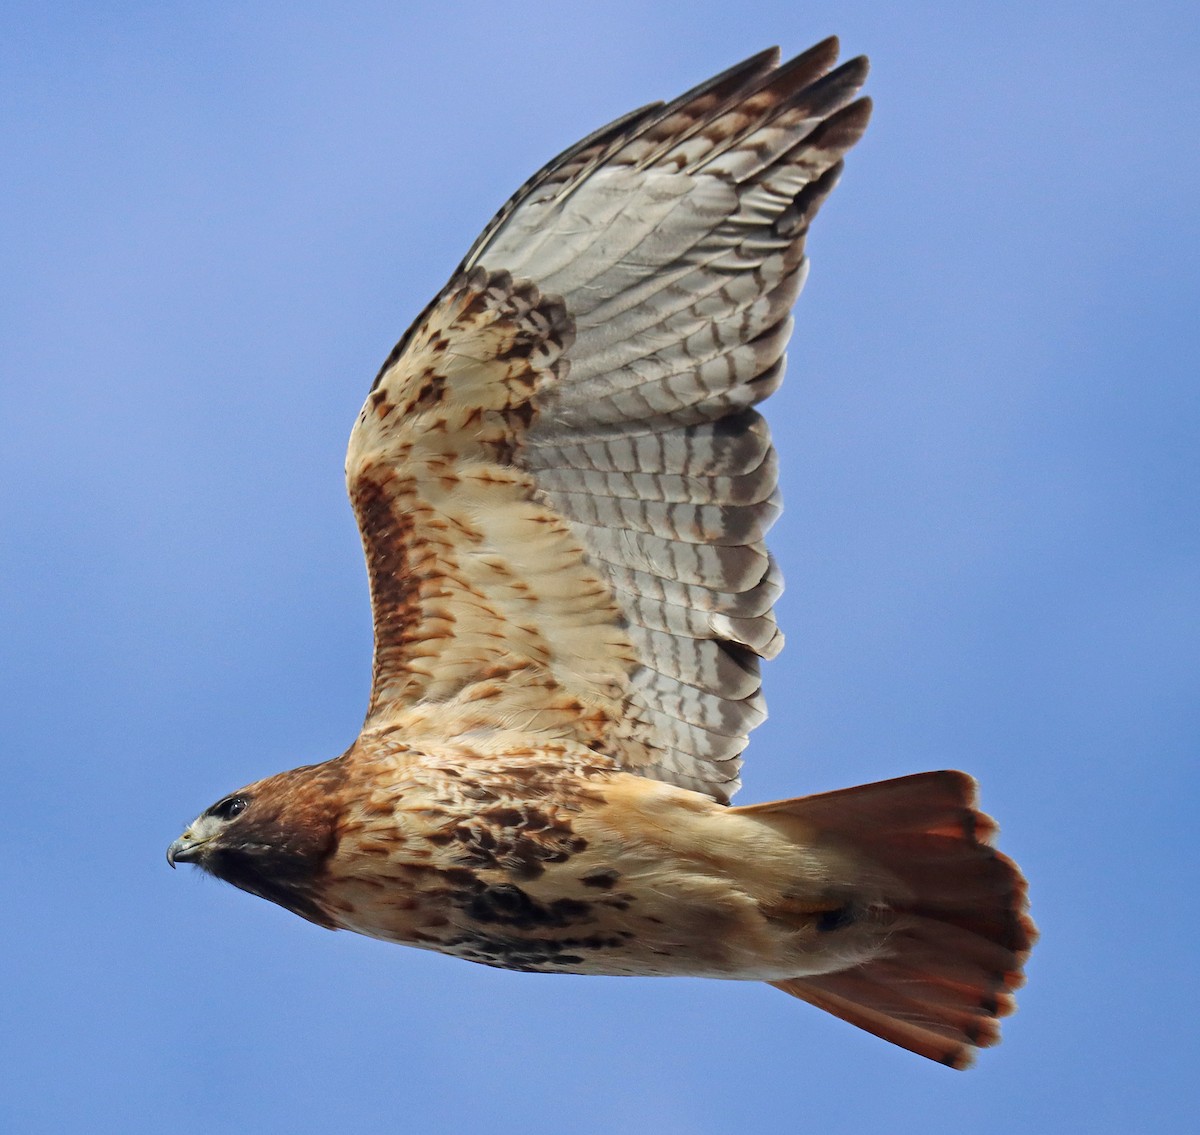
[561,482]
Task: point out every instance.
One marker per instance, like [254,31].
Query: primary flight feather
[563,490]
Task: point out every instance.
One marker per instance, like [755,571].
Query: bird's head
[271,838]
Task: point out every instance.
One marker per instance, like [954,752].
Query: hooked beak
[185,849]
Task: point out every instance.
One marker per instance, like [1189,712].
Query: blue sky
[216,221]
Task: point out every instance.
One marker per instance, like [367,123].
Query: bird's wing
[561,482]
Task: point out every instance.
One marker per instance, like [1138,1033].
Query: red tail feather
[959,928]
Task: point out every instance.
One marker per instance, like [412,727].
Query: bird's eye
[229,807]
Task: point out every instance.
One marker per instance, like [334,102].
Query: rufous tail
[957,910]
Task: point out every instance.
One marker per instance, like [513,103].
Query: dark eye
[229,807]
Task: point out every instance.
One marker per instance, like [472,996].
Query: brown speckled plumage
[563,490]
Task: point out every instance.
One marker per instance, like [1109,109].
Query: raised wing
[561,483]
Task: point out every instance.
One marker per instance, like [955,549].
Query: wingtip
[769,55]
[828,48]
[853,72]
[827,51]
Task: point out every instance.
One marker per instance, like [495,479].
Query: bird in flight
[563,489]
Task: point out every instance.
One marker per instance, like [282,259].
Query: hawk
[563,489]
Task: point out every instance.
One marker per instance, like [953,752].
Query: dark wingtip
[820,57]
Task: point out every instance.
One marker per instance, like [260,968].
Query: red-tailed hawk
[563,489]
